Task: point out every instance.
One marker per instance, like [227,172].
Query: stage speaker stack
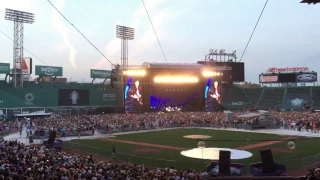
[224,163]
[268,165]
[52,137]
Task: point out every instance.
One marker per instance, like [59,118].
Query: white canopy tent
[250,115]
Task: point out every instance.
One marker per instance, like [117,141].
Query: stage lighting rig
[211,73]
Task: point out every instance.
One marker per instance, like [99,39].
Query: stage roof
[172,65]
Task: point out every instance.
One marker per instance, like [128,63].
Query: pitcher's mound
[197,136]
[146,150]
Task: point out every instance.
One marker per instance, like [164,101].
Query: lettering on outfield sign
[109,97]
[287,69]
[307,77]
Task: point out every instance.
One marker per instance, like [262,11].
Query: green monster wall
[20,98]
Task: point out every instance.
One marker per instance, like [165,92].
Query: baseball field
[162,148]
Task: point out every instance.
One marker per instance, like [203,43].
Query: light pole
[124,33]
[19,18]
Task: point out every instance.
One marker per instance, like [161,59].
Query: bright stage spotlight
[176,79]
[135,72]
[211,73]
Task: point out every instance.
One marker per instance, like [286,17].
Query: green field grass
[220,138]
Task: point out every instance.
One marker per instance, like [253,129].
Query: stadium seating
[253,94]
[316,97]
[298,91]
[31,85]
[271,96]
[233,94]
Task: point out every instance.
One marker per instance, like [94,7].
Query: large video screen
[296,101]
[73,97]
[133,95]
[212,95]
[289,77]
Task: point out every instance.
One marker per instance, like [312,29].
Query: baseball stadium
[198,120]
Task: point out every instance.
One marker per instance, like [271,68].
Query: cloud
[63,30]
[113,47]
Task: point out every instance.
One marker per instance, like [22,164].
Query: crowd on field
[125,122]
[298,120]
[20,161]
[7,127]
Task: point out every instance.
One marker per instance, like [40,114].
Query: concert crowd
[20,161]
[124,122]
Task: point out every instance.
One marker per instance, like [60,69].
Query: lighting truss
[19,16]
[124,32]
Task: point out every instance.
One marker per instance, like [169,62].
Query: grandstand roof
[172,65]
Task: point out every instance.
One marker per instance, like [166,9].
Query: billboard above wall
[49,71]
[301,77]
[102,74]
[4,68]
[268,78]
[306,77]
[27,65]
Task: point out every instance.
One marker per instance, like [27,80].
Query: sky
[288,34]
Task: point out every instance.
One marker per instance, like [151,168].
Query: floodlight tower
[19,18]
[125,34]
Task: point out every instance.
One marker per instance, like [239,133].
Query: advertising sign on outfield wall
[268,78]
[103,74]
[48,71]
[4,68]
[306,77]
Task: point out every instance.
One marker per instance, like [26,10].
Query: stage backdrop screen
[133,95]
[296,101]
[73,97]
[212,94]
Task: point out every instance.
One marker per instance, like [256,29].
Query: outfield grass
[220,138]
